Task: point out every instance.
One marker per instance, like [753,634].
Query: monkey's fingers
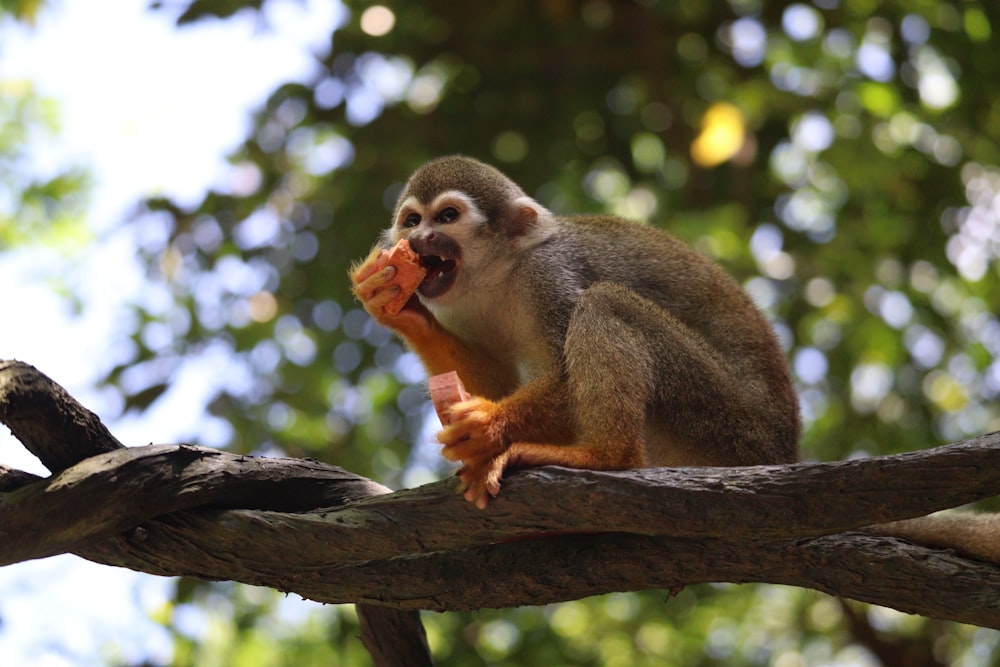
[472,431]
[374,282]
[385,281]
[376,298]
[482,481]
[362,270]
[381,296]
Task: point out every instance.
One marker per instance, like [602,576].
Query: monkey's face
[449,234]
[471,226]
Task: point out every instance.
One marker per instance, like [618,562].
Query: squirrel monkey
[591,342]
[587,341]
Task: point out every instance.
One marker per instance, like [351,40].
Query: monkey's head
[468,222]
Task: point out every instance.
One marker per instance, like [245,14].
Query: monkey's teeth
[440,275]
[436,266]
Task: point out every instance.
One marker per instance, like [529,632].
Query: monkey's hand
[377,286]
[474,435]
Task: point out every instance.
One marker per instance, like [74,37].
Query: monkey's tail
[973,535]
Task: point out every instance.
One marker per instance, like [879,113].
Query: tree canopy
[838,157]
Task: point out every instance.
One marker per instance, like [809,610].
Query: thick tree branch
[61,432]
[547,569]
[112,492]
[48,421]
[552,535]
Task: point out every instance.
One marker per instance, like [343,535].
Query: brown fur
[595,343]
[592,342]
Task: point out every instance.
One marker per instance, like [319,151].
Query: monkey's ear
[526,215]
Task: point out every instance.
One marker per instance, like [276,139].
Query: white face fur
[455,216]
[481,279]
[412,215]
[484,253]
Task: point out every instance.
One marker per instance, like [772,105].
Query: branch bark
[332,536]
[61,432]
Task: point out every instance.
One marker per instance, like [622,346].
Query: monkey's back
[695,291]
[655,265]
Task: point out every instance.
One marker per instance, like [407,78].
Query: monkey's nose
[435,243]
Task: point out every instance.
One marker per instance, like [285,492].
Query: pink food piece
[446,390]
[409,273]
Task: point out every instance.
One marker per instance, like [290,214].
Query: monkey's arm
[377,287]
[479,432]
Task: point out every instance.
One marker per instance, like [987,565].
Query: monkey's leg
[648,388]
[609,374]
[644,389]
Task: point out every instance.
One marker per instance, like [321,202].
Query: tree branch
[61,432]
[48,421]
[553,534]
[547,569]
[110,493]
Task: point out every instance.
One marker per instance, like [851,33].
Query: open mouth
[441,274]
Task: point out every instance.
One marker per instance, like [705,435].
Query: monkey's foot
[473,431]
[481,481]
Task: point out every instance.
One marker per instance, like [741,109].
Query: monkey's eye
[447,215]
[411,220]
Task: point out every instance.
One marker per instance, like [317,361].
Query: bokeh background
[839,157]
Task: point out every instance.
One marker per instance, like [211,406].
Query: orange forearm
[539,411]
[441,351]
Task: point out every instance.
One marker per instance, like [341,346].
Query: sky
[148,109]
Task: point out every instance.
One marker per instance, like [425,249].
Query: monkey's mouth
[441,274]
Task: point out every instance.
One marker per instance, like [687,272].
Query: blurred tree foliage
[43,200]
[21,10]
[839,157]
[38,204]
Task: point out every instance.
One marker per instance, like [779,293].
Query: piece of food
[409,273]
[446,390]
